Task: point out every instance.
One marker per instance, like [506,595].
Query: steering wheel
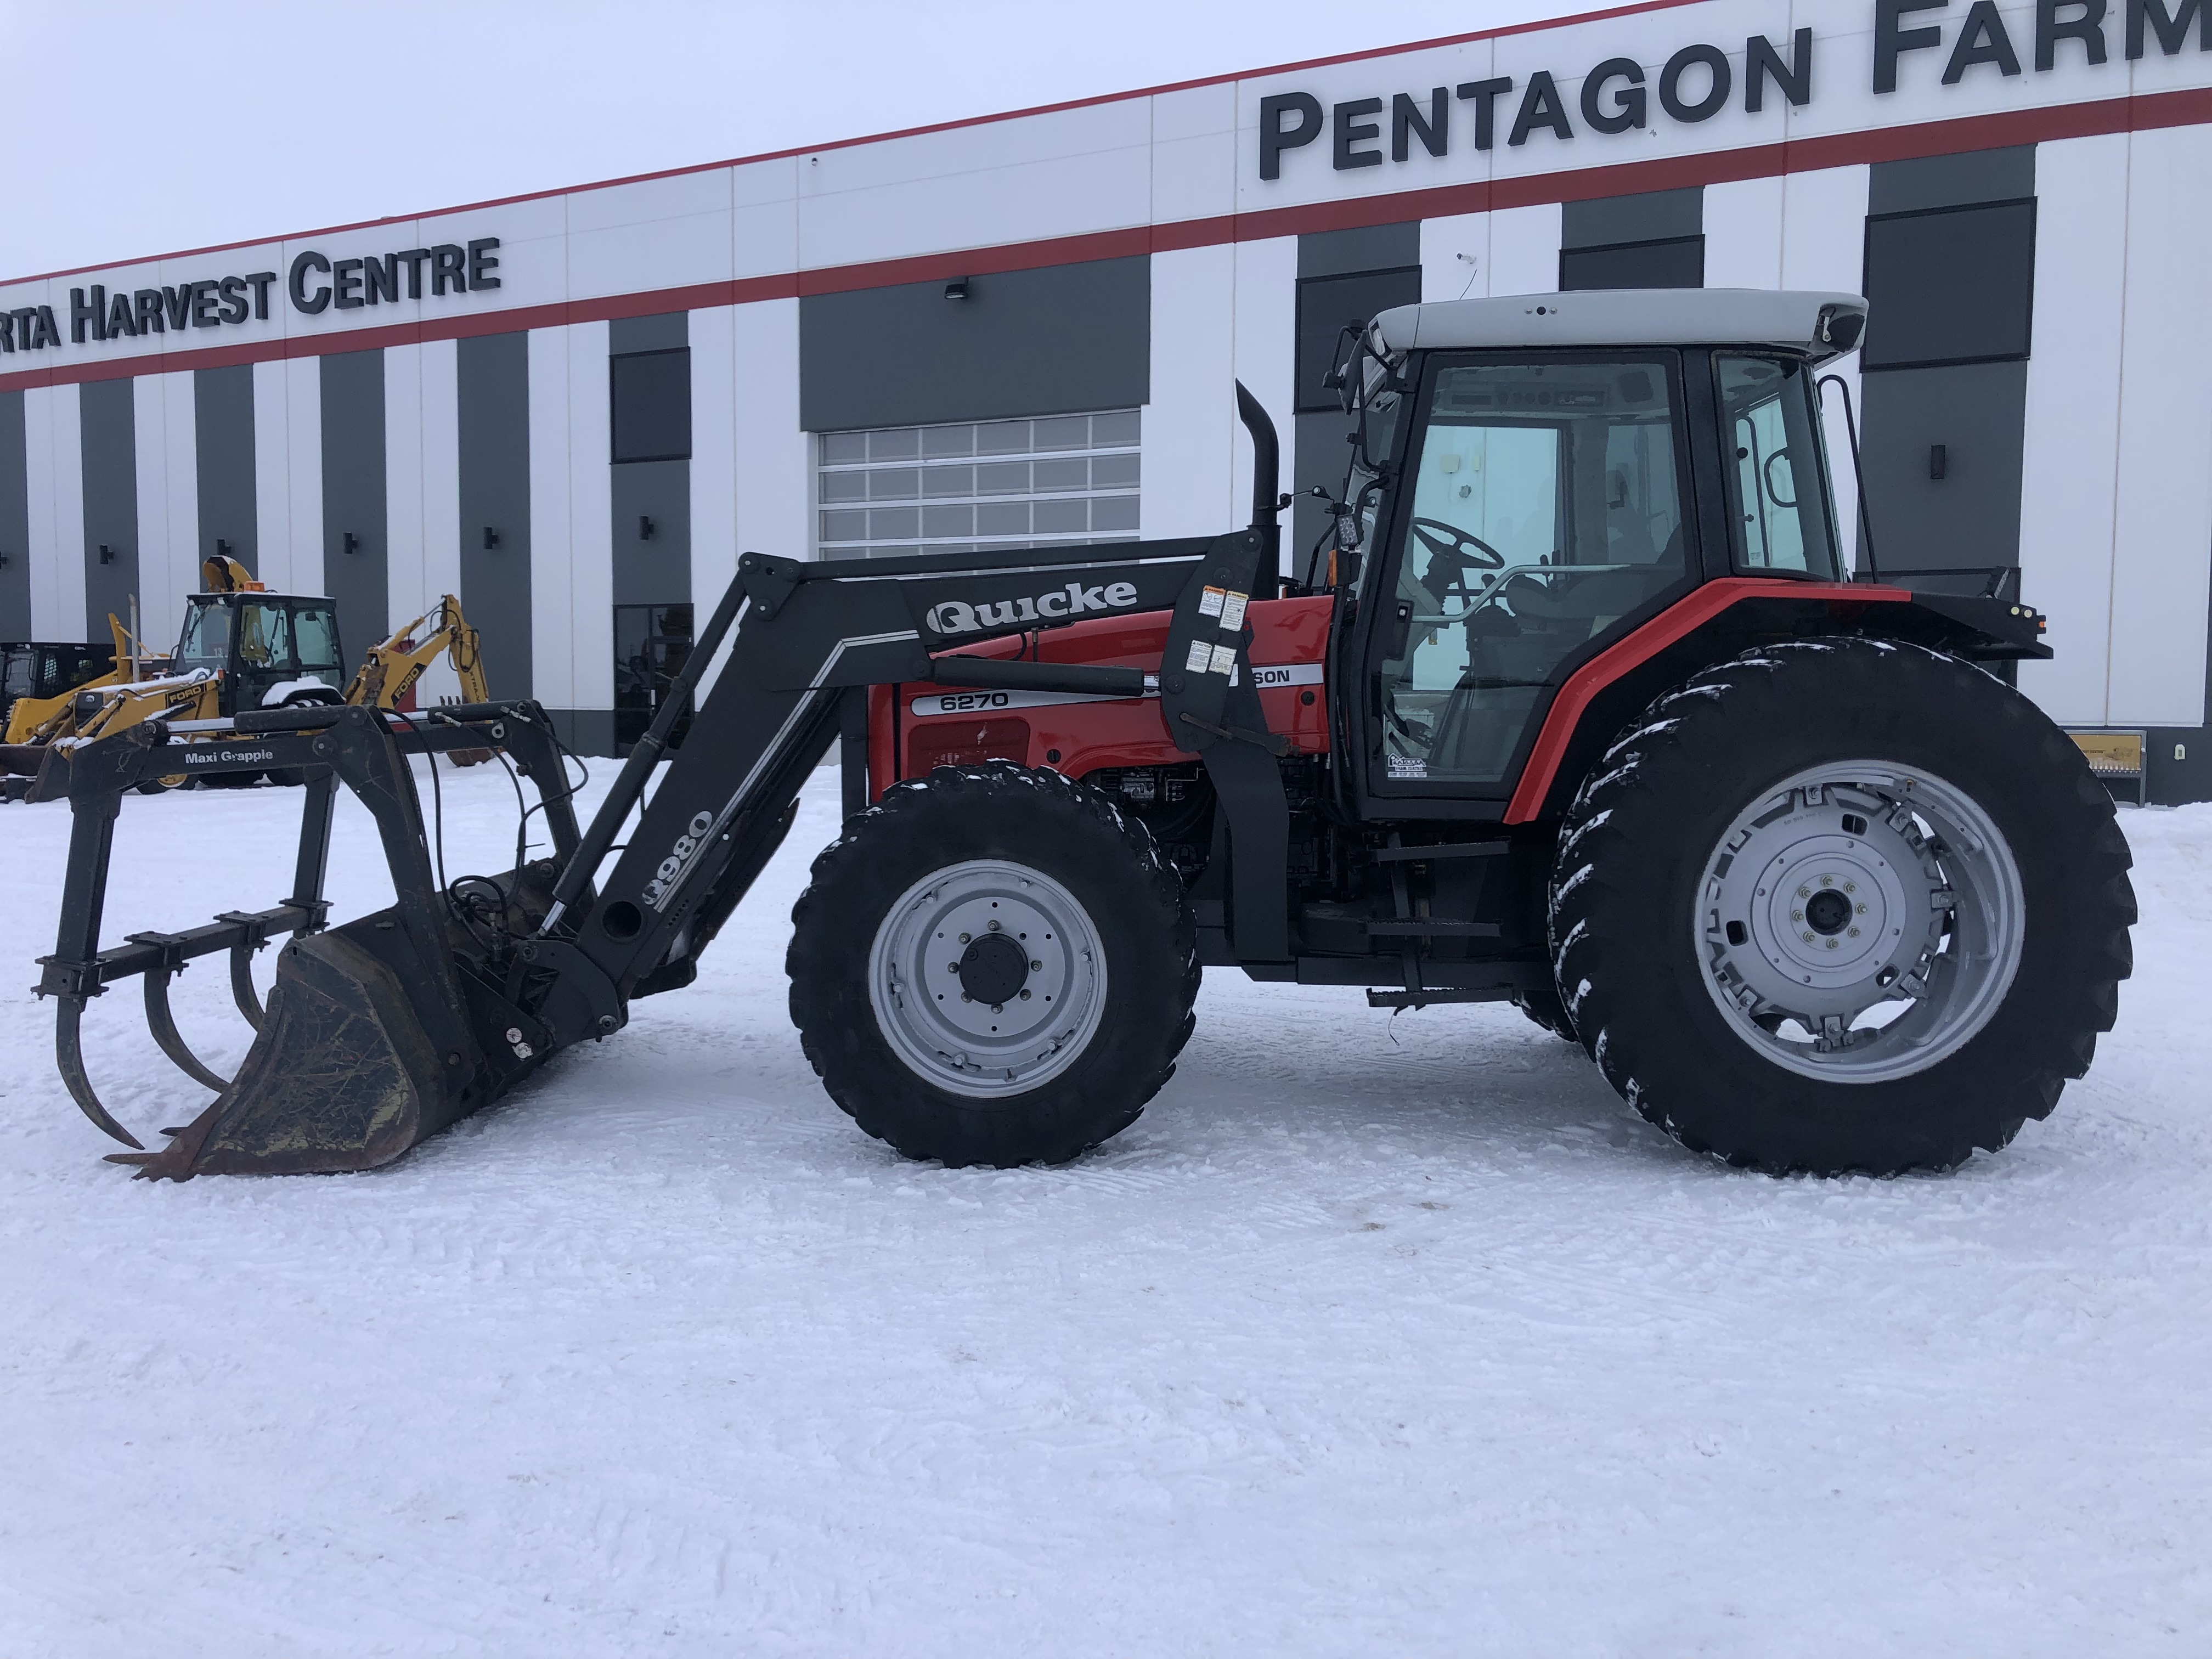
[1449,541]
[1454,553]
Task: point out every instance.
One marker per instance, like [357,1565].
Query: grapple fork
[375,1033]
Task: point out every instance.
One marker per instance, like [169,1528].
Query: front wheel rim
[1860,921]
[959,1006]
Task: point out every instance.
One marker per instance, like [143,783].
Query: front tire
[953,1038]
[1842,905]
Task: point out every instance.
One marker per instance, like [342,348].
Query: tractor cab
[270,648]
[1526,492]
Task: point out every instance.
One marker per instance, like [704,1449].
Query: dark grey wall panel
[665,333]
[1677,264]
[1956,284]
[1948,288]
[223,430]
[650,419]
[1369,247]
[494,372]
[1934,181]
[353,498]
[1971,516]
[651,499]
[1048,342]
[1655,239]
[110,437]
[1654,216]
[654,569]
[14,522]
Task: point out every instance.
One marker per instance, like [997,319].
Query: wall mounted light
[491,539]
[957,288]
[4,561]
[644,528]
[1939,460]
[352,542]
[221,548]
[107,554]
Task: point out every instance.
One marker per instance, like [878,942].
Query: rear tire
[1988,900]
[924,1036]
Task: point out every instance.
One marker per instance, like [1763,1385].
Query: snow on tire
[1841,905]
[993,965]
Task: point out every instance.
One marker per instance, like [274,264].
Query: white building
[574,409]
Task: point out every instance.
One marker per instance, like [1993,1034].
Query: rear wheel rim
[981,1011]
[1860,921]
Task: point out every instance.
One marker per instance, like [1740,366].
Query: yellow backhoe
[242,647]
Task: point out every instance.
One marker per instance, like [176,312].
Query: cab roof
[1820,325]
[260,595]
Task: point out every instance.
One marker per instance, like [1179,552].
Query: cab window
[1546,506]
[1777,483]
[264,637]
[315,637]
[205,642]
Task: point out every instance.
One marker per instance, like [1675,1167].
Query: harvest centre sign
[313,283]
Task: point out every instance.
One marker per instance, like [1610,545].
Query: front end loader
[1578,707]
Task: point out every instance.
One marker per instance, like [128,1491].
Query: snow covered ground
[1372,1336]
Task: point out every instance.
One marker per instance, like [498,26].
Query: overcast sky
[138,129]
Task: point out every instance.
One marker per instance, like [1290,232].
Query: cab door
[1541,508]
[263,665]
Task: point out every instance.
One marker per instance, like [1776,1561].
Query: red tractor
[1577,706]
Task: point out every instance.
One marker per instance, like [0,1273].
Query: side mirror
[1343,360]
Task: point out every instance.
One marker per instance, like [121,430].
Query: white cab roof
[1630,317]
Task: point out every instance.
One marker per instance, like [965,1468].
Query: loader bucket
[342,1076]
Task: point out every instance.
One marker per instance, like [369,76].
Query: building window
[1329,305]
[1670,262]
[652,399]
[1055,480]
[1949,285]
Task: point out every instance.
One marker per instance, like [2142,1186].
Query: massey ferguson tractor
[1578,707]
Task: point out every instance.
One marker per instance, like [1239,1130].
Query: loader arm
[807,635]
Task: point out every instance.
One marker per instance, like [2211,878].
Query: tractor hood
[1821,325]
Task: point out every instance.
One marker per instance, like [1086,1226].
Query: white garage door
[1065,479]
